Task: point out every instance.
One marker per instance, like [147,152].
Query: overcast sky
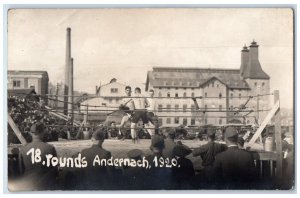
[126,43]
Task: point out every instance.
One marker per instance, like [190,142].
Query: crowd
[225,166]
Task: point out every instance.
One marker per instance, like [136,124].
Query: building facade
[37,80]
[222,95]
[106,100]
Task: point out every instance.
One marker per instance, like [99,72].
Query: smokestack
[253,69]
[244,59]
[67,70]
[70,93]
[253,52]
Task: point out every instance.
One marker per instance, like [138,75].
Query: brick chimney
[244,59]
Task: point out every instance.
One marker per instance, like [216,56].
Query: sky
[126,43]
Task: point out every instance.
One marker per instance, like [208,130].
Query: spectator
[184,171]
[38,176]
[234,168]
[96,177]
[169,143]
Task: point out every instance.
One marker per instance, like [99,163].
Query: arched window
[184,94]
[220,95]
[168,94]
[176,95]
[193,94]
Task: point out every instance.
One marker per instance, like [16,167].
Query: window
[205,107]
[160,108]
[16,83]
[255,84]
[217,84]
[168,121]
[248,121]
[184,108]
[160,121]
[184,94]
[192,88]
[193,121]
[220,107]
[114,90]
[231,107]
[240,95]
[176,107]
[193,107]
[168,94]
[176,95]
[263,84]
[220,95]
[184,88]
[193,94]
[110,100]
[231,95]
[176,120]
[159,87]
[213,84]
[220,121]
[184,121]
[205,121]
[205,94]
[168,108]
[159,94]
[176,88]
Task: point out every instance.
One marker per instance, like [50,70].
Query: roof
[27,72]
[20,92]
[194,77]
[254,71]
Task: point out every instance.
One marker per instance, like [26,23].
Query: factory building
[223,95]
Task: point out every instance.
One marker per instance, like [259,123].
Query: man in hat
[208,152]
[135,177]
[160,177]
[96,177]
[37,175]
[169,143]
[234,168]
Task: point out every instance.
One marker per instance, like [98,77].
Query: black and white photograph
[149,99]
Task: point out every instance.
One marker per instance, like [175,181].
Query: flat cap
[135,153]
[231,132]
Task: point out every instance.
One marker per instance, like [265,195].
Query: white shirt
[140,103]
[128,102]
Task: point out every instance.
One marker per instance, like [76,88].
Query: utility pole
[56,97]
[257,109]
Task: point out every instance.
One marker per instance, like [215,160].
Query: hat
[157,141]
[211,132]
[181,150]
[134,153]
[231,132]
[169,132]
[99,134]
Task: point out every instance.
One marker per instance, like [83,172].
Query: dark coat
[234,168]
[38,176]
[96,177]
[208,152]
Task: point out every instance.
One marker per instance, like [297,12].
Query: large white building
[223,95]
